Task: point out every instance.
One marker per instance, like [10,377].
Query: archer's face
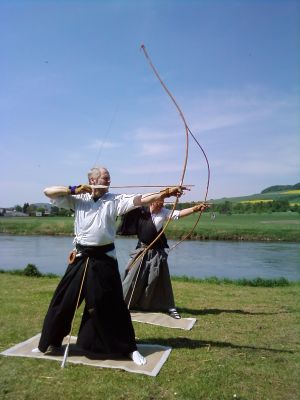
[100,178]
[156,206]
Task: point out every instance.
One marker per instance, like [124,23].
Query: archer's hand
[80,189]
[172,191]
[201,207]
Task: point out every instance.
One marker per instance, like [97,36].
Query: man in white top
[106,325]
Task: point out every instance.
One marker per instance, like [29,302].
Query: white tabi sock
[137,358]
[35,350]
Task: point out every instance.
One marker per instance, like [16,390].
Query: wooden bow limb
[206,192]
[188,131]
[185,159]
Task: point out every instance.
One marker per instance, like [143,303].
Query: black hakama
[147,284]
[106,325]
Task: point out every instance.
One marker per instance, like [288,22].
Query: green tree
[225,208]
[31,209]
[54,210]
[64,213]
[25,208]
[280,205]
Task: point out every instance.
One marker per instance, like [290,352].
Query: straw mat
[163,320]
[156,356]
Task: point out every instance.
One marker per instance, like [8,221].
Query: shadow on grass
[217,311]
[179,343]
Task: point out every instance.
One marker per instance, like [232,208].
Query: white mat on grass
[163,320]
[156,356]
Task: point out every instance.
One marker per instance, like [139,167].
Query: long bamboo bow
[143,48]
[188,132]
[205,196]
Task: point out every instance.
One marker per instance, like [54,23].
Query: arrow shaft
[135,186]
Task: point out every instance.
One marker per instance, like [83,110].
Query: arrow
[134,186]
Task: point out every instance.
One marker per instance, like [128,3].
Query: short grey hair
[96,171]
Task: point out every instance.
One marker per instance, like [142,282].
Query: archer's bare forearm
[186,212]
[163,194]
[145,199]
[201,207]
[55,191]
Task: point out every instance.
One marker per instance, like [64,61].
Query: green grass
[37,225]
[257,282]
[268,227]
[259,227]
[245,343]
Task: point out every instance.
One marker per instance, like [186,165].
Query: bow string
[205,196]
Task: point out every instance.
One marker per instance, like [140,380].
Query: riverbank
[32,271]
[243,346]
[244,227]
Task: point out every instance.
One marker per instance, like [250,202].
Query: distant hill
[281,188]
[278,192]
[46,206]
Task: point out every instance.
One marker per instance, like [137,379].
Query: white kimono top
[164,214]
[95,221]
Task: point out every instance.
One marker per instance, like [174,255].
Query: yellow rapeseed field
[296,191]
[256,201]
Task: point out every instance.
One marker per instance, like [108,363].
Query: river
[199,259]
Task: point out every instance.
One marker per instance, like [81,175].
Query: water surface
[197,259]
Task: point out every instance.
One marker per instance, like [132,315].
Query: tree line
[226,207]
[33,209]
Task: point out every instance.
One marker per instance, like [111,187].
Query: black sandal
[174,314]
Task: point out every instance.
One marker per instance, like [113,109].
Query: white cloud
[258,167]
[102,144]
[153,149]
[147,134]
[150,169]
[223,109]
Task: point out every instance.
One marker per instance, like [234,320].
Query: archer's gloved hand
[200,207]
[80,189]
[172,191]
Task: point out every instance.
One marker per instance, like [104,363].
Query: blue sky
[77,91]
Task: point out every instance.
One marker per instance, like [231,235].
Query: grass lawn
[257,227]
[245,345]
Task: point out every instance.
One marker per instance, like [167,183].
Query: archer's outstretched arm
[163,194]
[201,207]
[55,191]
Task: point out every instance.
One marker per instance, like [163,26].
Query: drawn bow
[187,132]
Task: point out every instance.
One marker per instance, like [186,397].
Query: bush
[31,270]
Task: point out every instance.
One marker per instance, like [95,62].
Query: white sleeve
[125,203]
[64,202]
[166,213]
